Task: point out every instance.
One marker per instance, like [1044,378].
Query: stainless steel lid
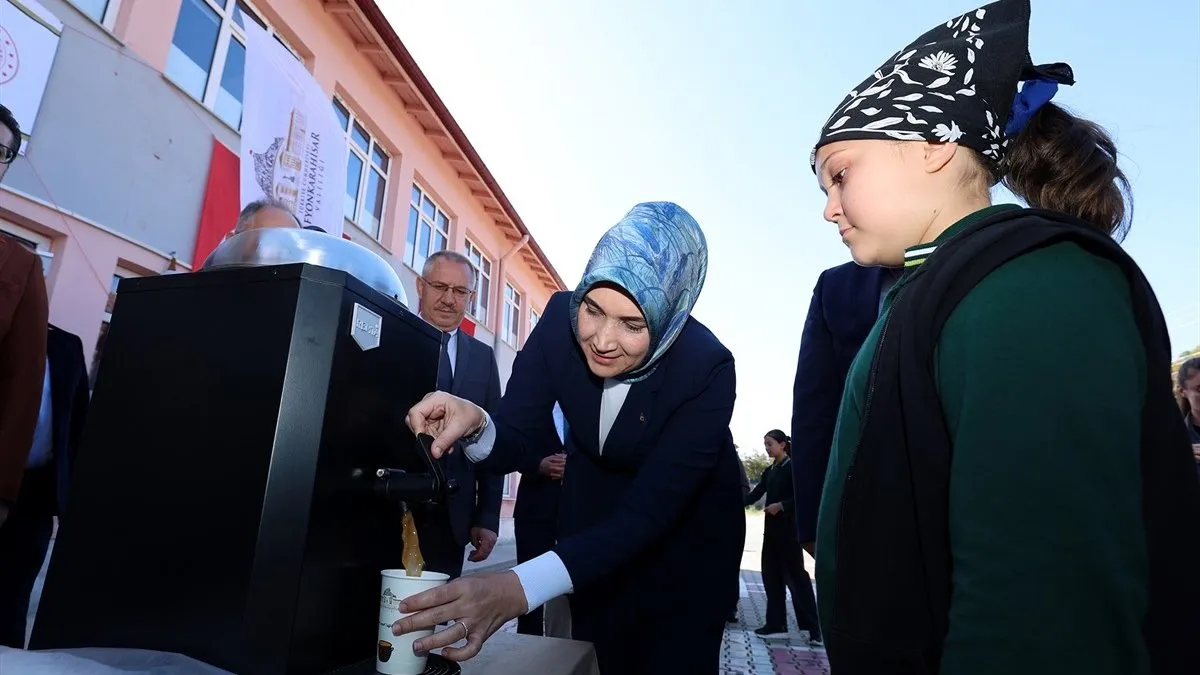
[288,245]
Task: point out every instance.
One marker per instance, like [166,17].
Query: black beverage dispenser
[230,500]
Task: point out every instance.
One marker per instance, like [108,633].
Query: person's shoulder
[1058,293]
[699,348]
[15,261]
[1061,273]
[559,303]
[65,337]
[477,344]
[849,274]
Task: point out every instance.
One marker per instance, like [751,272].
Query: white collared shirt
[452,350]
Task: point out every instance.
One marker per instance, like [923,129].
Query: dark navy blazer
[844,306]
[69,406]
[655,523]
[477,503]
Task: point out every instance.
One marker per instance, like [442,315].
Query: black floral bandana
[956,83]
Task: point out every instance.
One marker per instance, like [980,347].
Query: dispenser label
[365,327]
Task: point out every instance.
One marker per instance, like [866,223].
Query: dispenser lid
[283,246]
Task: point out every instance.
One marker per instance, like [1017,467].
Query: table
[503,654]
[533,656]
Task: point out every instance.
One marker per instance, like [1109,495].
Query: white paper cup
[394,653]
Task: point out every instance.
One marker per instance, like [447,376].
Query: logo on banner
[290,169]
[292,145]
[10,59]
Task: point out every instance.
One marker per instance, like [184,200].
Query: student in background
[782,558]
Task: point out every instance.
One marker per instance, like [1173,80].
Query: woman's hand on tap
[445,417]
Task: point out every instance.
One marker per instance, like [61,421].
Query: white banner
[28,41]
[292,145]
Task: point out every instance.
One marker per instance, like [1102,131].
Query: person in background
[652,525]
[26,535]
[1188,385]
[844,306]
[10,140]
[467,369]
[980,516]
[535,516]
[24,317]
[265,214]
[782,558]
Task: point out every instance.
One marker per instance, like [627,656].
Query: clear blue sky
[582,109]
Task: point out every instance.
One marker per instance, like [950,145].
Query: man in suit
[844,306]
[24,313]
[26,535]
[535,518]
[445,289]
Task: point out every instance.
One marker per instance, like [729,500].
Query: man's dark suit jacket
[652,528]
[69,402]
[24,313]
[538,495]
[477,504]
[844,306]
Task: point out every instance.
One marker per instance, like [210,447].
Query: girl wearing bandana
[1009,488]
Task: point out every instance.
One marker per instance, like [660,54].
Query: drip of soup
[414,562]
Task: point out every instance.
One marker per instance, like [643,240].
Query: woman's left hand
[773,509]
[479,605]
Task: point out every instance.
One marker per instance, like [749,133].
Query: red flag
[219,212]
[467,326]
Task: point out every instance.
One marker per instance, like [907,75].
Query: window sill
[368,235]
[208,111]
[110,30]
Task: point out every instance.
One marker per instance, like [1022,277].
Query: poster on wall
[292,147]
[29,36]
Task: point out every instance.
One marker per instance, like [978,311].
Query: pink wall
[146,27]
[85,258]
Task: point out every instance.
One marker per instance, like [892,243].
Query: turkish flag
[219,211]
[467,326]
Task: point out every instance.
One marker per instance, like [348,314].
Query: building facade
[113,178]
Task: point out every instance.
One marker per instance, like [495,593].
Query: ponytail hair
[1186,370]
[781,438]
[1063,163]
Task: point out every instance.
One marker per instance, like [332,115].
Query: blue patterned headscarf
[657,253]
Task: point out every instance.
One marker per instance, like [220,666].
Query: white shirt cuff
[479,450]
[543,579]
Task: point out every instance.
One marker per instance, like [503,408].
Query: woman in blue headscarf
[651,526]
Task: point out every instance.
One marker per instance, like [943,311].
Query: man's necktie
[445,378]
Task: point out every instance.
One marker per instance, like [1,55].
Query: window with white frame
[38,243]
[511,331]
[118,274]
[208,53]
[483,285]
[366,173]
[508,483]
[534,317]
[103,12]
[428,229]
